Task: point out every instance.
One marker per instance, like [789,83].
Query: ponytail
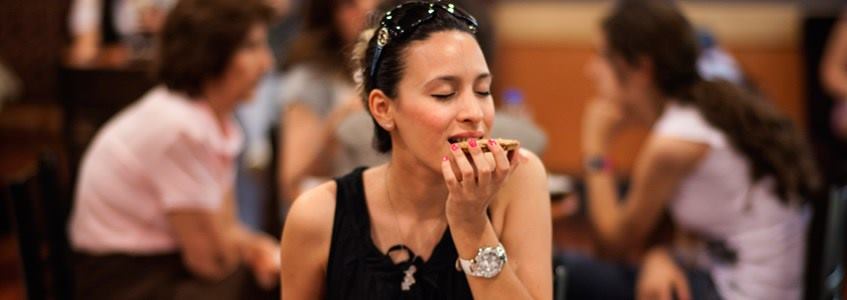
[768,139]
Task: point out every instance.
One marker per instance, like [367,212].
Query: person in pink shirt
[154,214]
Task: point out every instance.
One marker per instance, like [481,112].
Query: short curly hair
[200,37]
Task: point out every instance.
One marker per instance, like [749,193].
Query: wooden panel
[556,90]
[779,74]
[739,24]
[32,35]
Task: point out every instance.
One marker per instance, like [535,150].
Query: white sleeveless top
[719,200]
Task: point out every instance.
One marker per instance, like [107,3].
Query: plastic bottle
[513,104]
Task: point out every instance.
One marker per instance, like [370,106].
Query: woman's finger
[501,161]
[449,174]
[465,168]
[480,163]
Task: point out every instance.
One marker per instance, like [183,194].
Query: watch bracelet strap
[464,265]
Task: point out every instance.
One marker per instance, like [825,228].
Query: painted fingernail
[492,142]
[445,158]
[454,147]
[472,143]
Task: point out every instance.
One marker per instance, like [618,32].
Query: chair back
[832,268]
[40,209]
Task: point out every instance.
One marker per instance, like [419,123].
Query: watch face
[489,262]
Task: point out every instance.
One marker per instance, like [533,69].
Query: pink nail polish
[454,147]
[491,142]
[472,143]
[445,158]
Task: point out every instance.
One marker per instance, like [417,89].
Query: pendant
[408,278]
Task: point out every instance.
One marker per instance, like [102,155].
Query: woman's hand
[263,258]
[601,119]
[661,278]
[473,183]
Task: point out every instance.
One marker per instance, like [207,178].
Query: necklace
[409,274]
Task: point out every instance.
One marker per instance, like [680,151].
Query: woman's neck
[221,107]
[649,114]
[415,189]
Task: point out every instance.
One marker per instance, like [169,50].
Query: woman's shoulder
[530,166]
[531,163]
[307,234]
[177,125]
[686,122]
[306,84]
[528,179]
[308,214]
[304,72]
[174,110]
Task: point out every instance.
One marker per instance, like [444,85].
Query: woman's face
[350,17]
[248,65]
[443,97]
[617,80]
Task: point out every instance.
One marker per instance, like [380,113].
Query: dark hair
[391,64]
[200,37]
[656,30]
[319,41]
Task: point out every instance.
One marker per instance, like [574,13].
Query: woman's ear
[382,109]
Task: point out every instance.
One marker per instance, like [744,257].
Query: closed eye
[484,94]
[443,96]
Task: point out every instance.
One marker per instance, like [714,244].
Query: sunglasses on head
[400,21]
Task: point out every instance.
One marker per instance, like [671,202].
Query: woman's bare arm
[306,240]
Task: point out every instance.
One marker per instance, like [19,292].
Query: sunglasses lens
[404,18]
[460,13]
[407,16]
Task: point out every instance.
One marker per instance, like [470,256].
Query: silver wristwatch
[489,261]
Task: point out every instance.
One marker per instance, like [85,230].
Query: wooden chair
[40,209]
[832,267]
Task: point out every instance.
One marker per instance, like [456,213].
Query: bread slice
[506,144]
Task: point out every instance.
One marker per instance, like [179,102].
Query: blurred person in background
[154,214]
[257,118]
[399,228]
[319,94]
[98,23]
[132,24]
[726,165]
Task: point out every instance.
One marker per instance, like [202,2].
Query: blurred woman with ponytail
[724,163]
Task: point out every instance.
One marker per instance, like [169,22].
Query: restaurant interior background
[541,50]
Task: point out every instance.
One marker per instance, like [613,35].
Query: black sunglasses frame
[391,28]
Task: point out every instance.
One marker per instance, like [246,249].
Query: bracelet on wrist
[598,163]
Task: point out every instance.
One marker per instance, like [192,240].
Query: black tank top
[357,269]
